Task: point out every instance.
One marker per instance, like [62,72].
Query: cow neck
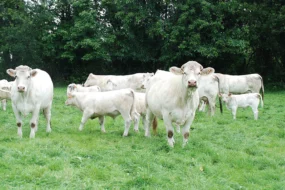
[78,103]
[186,94]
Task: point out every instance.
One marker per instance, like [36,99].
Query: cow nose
[21,88]
[192,83]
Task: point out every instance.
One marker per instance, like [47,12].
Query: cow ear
[11,72]
[207,71]
[176,70]
[33,72]
[230,94]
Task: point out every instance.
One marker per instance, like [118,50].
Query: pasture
[221,153]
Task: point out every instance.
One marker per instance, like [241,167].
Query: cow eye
[199,73]
[28,77]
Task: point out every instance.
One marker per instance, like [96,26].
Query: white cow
[208,88]
[79,88]
[110,103]
[116,82]
[5,94]
[241,84]
[242,100]
[31,92]
[208,92]
[174,99]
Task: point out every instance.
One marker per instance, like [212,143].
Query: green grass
[221,153]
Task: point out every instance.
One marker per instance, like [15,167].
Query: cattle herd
[173,96]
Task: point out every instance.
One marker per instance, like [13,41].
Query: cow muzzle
[192,83]
[21,89]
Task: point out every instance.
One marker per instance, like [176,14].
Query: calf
[243,100]
[31,92]
[110,103]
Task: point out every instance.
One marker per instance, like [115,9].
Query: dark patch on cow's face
[19,124]
[186,135]
[170,134]
[33,125]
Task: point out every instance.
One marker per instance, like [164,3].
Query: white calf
[109,103]
[243,100]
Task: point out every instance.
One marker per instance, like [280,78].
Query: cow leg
[169,129]
[136,122]
[143,120]
[4,103]
[47,114]
[149,119]
[18,119]
[128,120]
[212,107]
[102,121]
[186,129]
[255,113]
[234,112]
[34,121]
[86,115]
[178,128]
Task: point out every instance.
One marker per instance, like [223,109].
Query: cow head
[225,97]
[71,88]
[22,75]
[70,99]
[190,72]
[145,79]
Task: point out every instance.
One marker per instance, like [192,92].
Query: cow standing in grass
[243,100]
[241,84]
[100,104]
[31,92]
[174,99]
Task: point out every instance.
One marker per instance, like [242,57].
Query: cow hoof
[48,130]
[103,131]
[136,130]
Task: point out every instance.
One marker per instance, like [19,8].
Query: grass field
[221,153]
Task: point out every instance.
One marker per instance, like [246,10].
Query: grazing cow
[242,100]
[174,99]
[208,92]
[110,103]
[31,92]
[114,82]
[79,88]
[241,84]
[5,94]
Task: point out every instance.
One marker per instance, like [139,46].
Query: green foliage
[122,37]
[221,154]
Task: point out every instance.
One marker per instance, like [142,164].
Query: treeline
[71,38]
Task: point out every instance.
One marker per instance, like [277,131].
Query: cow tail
[154,125]
[133,112]
[262,88]
[261,100]
[220,100]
